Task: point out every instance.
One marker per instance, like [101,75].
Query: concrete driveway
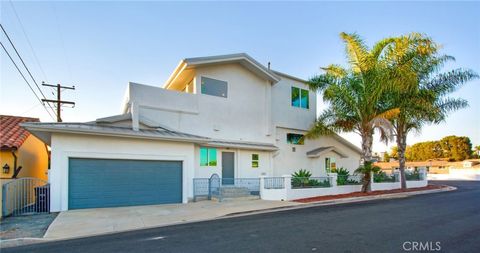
[88,222]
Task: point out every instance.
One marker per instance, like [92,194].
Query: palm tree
[427,104]
[356,95]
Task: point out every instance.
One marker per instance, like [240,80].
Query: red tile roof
[12,135]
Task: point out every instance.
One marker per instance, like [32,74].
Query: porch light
[6,169]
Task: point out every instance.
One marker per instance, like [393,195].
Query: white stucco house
[227,114]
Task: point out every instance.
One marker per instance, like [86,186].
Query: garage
[94,183]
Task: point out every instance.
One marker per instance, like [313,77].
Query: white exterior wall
[243,164]
[287,162]
[254,110]
[85,146]
[241,116]
[287,116]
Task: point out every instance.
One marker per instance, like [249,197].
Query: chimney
[268,65]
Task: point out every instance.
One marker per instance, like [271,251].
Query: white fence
[457,174]
[286,192]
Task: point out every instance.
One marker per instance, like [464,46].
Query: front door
[228,167]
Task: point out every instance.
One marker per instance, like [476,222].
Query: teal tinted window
[212,157]
[304,99]
[203,157]
[296,139]
[295,97]
[300,98]
[208,157]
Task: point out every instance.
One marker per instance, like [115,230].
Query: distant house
[437,166]
[21,154]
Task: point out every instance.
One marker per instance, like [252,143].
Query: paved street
[450,218]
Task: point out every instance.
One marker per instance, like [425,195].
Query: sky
[100,46]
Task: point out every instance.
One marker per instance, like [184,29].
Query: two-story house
[226,114]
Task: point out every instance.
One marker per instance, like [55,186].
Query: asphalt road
[443,222]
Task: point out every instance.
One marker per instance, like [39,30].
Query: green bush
[302,179]
[412,176]
[381,176]
[342,176]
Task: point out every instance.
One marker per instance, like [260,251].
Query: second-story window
[300,98]
[296,139]
[214,87]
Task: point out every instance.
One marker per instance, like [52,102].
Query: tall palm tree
[355,94]
[428,102]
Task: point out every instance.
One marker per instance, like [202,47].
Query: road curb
[341,201]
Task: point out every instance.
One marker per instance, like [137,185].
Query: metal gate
[25,196]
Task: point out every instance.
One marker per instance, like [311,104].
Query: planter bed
[372,193]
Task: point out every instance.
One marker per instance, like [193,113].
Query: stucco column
[262,186]
[287,180]
[333,179]
[423,173]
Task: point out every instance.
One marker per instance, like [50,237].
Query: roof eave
[36,129]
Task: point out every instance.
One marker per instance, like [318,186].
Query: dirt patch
[362,194]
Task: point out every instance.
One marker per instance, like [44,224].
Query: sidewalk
[89,222]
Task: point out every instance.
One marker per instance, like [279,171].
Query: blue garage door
[109,183]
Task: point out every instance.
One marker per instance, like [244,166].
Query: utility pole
[59,100]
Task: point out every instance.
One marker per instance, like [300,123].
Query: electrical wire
[26,81]
[24,65]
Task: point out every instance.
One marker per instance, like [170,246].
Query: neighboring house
[434,166]
[21,154]
[227,114]
[18,148]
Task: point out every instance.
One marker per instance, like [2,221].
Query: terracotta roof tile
[12,135]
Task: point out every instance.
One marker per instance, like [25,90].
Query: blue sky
[100,46]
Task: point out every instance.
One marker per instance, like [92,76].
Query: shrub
[381,176]
[342,176]
[412,176]
[302,179]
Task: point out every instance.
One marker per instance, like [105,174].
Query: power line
[26,81]
[28,40]
[24,65]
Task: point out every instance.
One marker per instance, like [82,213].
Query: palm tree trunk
[367,140]
[402,147]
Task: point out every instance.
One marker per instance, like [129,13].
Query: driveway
[88,222]
[451,218]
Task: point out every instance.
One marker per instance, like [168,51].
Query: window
[330,164]
[300,98]
[208,157]
[296,139]
[254,160]
[214,87]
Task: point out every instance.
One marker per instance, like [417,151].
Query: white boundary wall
[287,193]
[457,174]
